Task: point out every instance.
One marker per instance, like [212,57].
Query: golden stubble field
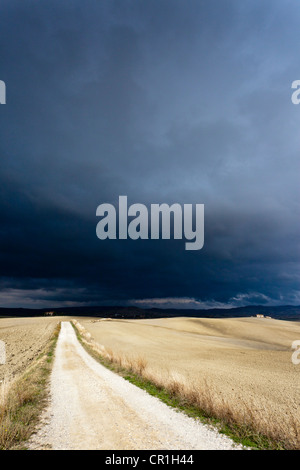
[25,339]
[244,362]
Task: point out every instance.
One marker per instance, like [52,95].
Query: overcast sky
[164,101]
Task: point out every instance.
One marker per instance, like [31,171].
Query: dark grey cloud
[162,101]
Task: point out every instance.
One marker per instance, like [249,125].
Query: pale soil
[93,408]
[25,339]
[246,361]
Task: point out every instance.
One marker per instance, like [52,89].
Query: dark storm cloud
[162,101]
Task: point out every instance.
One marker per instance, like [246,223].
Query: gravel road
[93,408]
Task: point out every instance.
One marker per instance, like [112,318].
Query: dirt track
[93,408]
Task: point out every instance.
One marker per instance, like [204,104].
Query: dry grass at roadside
[22,401]
[245,422]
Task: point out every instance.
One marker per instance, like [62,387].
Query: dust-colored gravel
[93,408]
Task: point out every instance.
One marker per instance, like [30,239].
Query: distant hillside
[287,312]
